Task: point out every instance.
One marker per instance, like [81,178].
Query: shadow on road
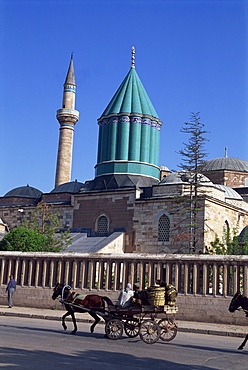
[86,360]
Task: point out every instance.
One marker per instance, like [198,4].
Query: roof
[131,97]
[24,192]
[183,177]
[226,163]
[70,77]
[68,187]
[229,192]
[118,181]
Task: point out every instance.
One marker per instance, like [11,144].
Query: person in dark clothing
[136,288]
[11,288]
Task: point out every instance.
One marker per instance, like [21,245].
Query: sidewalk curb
[184,328]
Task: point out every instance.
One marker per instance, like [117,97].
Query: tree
[193,160]
[229,245]
[46,222]
[24,240]
[38,233]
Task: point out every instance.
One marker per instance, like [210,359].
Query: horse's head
[236,302]
[57,291]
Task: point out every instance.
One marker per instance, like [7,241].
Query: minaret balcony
[67,115]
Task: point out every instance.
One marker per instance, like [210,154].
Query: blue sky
[191,56]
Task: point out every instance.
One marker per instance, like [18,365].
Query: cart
[151,323]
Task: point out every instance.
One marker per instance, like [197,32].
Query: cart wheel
[131,328]
[114,329]
[168,329]
[149,331]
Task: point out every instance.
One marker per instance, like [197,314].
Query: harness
[63,289]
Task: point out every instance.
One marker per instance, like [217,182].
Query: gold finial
[133,57]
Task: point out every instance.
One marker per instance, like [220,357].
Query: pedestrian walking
[11,288]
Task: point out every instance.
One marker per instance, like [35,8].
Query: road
[42,344]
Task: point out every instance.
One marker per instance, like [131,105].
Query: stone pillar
[3,262]
[37,272]
[186,278]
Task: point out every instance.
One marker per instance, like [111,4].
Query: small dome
[226,163]
[24,192]
[72,187]
[229,192]
[164,168]
[183,177]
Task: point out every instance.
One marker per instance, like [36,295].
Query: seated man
[125,297]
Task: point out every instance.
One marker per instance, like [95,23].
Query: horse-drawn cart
[151,323]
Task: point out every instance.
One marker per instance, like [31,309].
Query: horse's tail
[109,302]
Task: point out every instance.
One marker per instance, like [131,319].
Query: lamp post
[21,214]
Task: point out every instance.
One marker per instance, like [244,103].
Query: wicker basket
[156,296]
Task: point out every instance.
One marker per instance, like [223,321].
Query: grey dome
[229,192]
[68,187]
[181,177]
[226,163]
[24,192]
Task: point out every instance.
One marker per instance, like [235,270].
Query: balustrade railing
[190,274]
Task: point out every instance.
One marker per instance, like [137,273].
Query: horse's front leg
[96,318]
[244,342]
[74,323]
[63,320]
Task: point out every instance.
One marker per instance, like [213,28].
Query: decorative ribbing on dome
[131,97]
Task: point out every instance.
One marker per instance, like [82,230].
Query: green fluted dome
[131,97]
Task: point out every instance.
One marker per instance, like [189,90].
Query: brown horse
[240,301]
[74,302]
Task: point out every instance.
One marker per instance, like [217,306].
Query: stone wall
[118,207]
[232,179]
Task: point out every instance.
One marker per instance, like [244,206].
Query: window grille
[102,225]
[164,229]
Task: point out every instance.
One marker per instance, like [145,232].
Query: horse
[240,301]
[74,302]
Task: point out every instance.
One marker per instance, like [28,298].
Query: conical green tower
[129,131]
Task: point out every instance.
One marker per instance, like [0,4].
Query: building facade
[130,192]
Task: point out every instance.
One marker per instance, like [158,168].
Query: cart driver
[125,297]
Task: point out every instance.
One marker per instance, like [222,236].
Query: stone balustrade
[203,275]
[205,283]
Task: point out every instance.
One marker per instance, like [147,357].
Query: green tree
[228,244]
[24,240]
[46,222]
[193,159]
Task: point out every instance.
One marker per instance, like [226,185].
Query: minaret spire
[67,117]
[133,57]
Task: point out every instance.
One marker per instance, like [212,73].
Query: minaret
[129,131]
[67,117]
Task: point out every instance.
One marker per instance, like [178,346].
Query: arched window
[102,225]
[164,229]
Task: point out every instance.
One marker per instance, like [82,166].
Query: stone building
[131,195]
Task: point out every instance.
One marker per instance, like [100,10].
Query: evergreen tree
[193,159]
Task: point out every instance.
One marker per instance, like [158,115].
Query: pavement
[183,326]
